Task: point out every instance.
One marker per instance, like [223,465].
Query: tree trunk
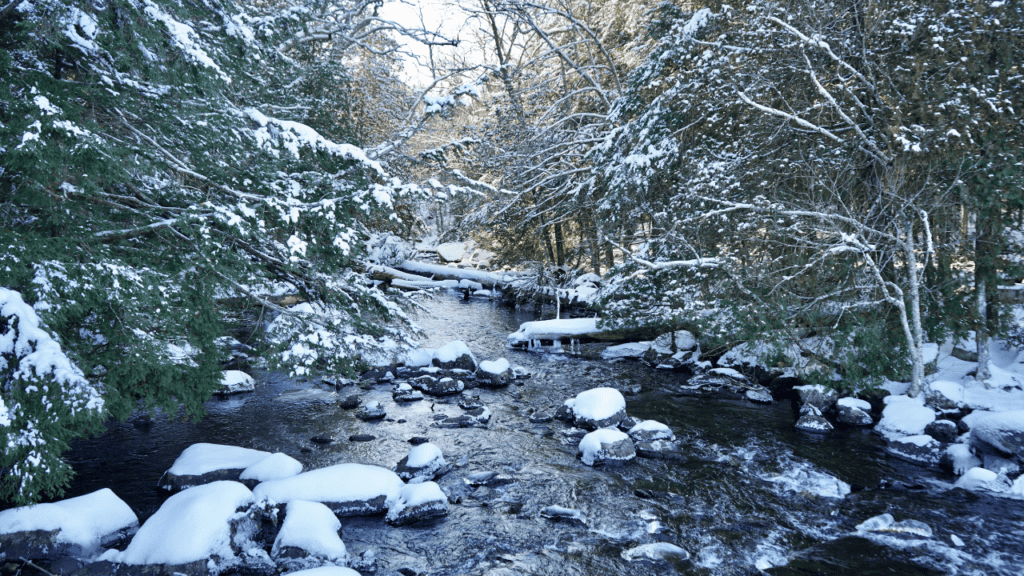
[984,282]
[559,245]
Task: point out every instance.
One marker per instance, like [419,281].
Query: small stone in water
[350,402]
[361,438]
[417,440]
[322,439]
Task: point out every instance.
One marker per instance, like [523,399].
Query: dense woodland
[840,178]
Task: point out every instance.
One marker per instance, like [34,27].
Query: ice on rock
[348,489]
[655,551]
[598,408]
[802,479]
[886,523]
[190,526]
[627,350]
[961,458]
[202,463]
[88,521]
[904,416]
[274,467]
[312,528]
[650,430]
[606,445]
[424,462]
[417,502]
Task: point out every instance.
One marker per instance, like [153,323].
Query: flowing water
[753,495]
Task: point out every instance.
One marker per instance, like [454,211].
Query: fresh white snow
[653,430]
[86,521]
[338,483]
[996,428]
[451,352]
[424,454]
[553,329]
[191,525]
[591,444]
[203,458]
[904,416]
[326,571]
[236,381]
[494,366]
[597,403]
[427,494]
[627,350]
[312,527]
[850,402]
[273,467]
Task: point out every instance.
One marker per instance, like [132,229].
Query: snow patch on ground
[904,416]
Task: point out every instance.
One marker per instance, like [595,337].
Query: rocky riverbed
[741,489]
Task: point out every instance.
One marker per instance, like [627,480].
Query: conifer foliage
[156,158]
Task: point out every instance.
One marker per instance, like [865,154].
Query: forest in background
[838,178]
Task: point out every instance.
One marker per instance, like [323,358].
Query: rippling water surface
[748,498]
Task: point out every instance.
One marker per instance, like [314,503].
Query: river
[749,496]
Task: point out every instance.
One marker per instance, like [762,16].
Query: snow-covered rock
[684,341]
[424,462]
[371,411]
[606,445]
[1002,430]
[563,514]
[440,386]
[945,396]
[347,489]
[236,381]
[904,416]
[455,354]
[451,251]
[942,430]
[818,396]
[417,502]
[77,527]
[192,525]
[958,459]
[309,529]
[326,571]
[553,330]
[597,408]
[979,479]
[404,392]
[274,467]
[627,350]
[919,449]
[495,373]
[204,463]
[649,430]
[811,420]
[853,412]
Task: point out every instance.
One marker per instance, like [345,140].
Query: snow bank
[357,488]
[312,527]
[452,351]
[191,525]
[553,330]
[451,251]
[88,521]
[904,416]
[274,467]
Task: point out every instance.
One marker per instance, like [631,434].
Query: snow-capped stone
[274,467]
[606,445]
[326,571]
[656,551]
[309,529]
[236,381]
[979,479]
[371,411]
[455,354]
[419,357]
[417,502]
[76,527]
[958,459]
[193,525]
[404,392]
[904,416]
[442,387]
[886,523]
[495,373]
[451,251]
[204,463]
[660,449]
[942,430]
[627,423]
[649,430]
[853,412]
[424,462]
[627,350]
[759,395]
[811,420]
[920,449]
[1002,430]
[817,395]
[347,489]
[597,408]
[944,396]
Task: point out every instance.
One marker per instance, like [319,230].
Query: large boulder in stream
[811,420]
[204,463]
[1003,431]
[920,449]
[347,489]
[417,502]
[495,373]
[453,355]
[853,412]
[606,446]
[597,408]
[309,529]
[76,527]
[424,462]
